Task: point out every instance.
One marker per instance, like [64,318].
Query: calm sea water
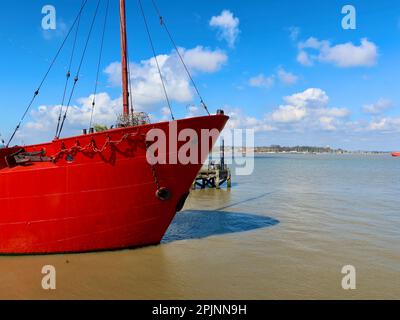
[284,232]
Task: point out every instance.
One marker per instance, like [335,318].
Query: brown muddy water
[285,232]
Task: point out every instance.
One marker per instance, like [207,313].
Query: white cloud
[308,110]
[43,120]
[294,33]
[309,113]
[312,43]
[146,83]
[288,114]
[286,77]
[194,111]
[310,98]
[304,59]
[239,120]
[344,55]
[266,82]
[200,59]
[303,111]
[165,114]
[378,107]
[327,123]
[300,104]
[385,124]
[261,81]
[335,112]
[148,93]
[227,25]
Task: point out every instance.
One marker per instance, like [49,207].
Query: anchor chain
[162,193]
[155,176]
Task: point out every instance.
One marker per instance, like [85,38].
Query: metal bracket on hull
[21,158]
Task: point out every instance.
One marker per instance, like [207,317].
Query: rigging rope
[162,21]
[99,63]
[36,93]
[156,59]
[76,79]
[69,71]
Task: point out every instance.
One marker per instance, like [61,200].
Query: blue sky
[285,68]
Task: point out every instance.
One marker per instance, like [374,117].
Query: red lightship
[95,191]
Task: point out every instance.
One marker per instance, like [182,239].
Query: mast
[124,58]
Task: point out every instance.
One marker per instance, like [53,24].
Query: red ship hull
[91,199]
[396,154]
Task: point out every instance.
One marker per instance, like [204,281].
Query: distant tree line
[298,149]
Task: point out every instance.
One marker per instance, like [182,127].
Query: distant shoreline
[331,153]
[300,150]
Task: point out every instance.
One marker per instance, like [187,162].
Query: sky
[287,69]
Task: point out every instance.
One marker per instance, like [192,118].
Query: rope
[36,93]
[162,21]
[155,57]
[91,146]
[79,69]
[99,63]
[69,71]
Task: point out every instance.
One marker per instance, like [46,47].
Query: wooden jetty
[214,175]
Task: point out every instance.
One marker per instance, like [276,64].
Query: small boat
[396,154]
[98,190]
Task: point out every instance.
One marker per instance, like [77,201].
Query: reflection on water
[202,224]
[284,232]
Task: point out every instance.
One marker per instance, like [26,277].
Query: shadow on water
[193,224]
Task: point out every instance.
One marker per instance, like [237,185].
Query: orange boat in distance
[396,154]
